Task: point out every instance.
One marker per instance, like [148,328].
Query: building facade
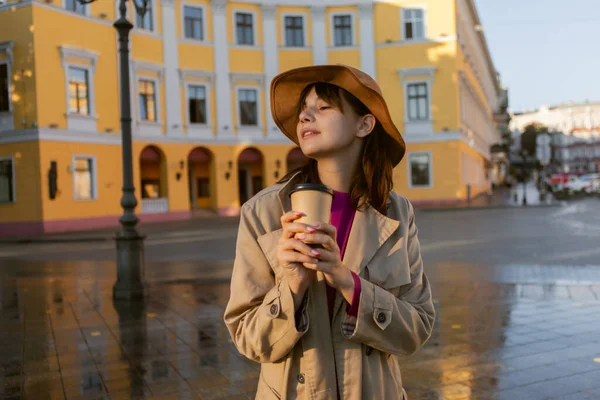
[575,131]
[203,137]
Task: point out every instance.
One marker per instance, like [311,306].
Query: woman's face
[323,130]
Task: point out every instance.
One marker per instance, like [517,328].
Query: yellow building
[200,74]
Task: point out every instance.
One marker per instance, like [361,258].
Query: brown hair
[372,180]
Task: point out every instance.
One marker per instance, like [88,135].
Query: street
[516,290]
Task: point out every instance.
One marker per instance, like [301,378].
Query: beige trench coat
[302,356]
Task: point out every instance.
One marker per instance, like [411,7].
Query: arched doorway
[200,173]
[153,175]
[295,159]
[250,173]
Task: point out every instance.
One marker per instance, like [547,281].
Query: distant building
[575,130]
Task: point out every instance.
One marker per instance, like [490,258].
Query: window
[248,107]
[145,20]
[419,165]
[147,100]
[4,89]
[83,176]
[342,28]
[244,28]
[197,104]
[294,31]
[193,23]
[75,6]
[417,99]
[202,187]
[7,183]
[79,92]
[414,25]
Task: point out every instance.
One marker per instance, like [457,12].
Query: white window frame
[421,7]
[94,176]
[154,19]
[249,128]
[195,128]
[157,99]
[410,184]
[332,16]
[14,180]
[304,29]
[86,8]
[76,121]
[91,102]
[254,28]
[204,19]
[417,82]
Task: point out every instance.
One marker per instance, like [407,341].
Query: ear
[366,124]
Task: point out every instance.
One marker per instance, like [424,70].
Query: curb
[483,208]
[91,239]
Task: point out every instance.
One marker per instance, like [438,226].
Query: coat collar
[369,231]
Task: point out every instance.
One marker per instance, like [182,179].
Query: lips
[308,133]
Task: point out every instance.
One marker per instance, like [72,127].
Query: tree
[529,137]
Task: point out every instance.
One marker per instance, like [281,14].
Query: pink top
[342,216]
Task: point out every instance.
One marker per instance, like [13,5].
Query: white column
[319,41]
[271,61]
[367,39]
[222,81]
[173,120]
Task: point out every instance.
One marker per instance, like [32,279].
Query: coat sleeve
[260,313]
[395,325]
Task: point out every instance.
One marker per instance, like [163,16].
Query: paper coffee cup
[314,200]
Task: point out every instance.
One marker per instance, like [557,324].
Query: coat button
[381,317]
[369,351]
[274,309]
[301,378]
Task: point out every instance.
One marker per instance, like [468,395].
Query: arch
[250,173]
[295,158]
[201,178]
[153,180]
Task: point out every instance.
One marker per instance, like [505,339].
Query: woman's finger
[319,238]
[328,229]
[290,216]
[293,244]
[324,267]
[288,257]
[292,228]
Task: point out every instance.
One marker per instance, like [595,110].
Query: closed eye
[324,108]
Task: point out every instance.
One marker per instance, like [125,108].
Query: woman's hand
[292,253]
[329,262]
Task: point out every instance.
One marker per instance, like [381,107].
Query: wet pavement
[517,295]
[510,336]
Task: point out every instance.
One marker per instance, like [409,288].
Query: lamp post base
[130,267]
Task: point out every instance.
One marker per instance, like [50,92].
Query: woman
[331,323]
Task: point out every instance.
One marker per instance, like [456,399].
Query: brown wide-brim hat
[287,87]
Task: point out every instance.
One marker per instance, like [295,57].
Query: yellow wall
[17,25]
[446,172]
[349,57]
[289,59]
[466,68]
[445,103]
[192,56]
[109,180]
[53,29]
[28,192]
[246,61]
[439,19]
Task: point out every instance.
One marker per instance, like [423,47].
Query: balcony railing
[159,205]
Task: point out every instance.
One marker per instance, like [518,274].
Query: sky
[547,51]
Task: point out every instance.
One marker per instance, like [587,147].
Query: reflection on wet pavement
[63,337]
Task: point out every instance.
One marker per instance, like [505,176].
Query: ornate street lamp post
[130,244]
[524,155]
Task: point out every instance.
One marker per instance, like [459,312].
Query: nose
[306,116]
